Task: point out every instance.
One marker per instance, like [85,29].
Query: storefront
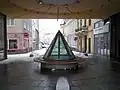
[3,37]
[18,43]
[101,39]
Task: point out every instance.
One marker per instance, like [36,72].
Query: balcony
[78,32]
[81,31]
[84,30]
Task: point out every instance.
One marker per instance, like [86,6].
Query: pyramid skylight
[59,49]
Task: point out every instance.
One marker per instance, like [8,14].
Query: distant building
[79,34]
[35,34]
[19,34]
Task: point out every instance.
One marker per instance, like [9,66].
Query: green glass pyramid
[59,49]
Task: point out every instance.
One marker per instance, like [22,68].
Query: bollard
[62,84]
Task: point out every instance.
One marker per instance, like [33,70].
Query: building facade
[79,33]
[102,38]
[68,27]
[19,35]
[84,33]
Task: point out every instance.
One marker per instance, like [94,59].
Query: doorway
[89,45]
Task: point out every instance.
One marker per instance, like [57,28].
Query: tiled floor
[25,76]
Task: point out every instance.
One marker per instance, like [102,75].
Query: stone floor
[99,75]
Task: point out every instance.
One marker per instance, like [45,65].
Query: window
[25,25]
[98,24]
[13,44]
[89,22]
[10,22]
[80,22]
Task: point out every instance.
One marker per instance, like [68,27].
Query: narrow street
[24,75]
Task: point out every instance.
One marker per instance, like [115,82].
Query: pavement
[101,74]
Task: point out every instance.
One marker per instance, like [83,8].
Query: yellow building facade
[83,29]
[85,36]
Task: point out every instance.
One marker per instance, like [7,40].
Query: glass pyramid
[59,49]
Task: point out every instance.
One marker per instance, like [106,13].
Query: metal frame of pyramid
[59,39]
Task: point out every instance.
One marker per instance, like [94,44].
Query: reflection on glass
[55,49]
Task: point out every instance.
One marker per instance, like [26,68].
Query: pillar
[115,36]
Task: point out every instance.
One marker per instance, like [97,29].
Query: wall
[19,38]
[69,32]
[17,28]
[17,32]
[102,38]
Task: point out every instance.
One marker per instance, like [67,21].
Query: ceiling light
[58,2]
[40,2]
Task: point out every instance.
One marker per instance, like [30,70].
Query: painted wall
[17,32]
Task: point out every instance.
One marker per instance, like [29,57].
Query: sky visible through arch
[49,25]
[48,28]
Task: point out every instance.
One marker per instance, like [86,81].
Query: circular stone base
[58,64]
[65,64]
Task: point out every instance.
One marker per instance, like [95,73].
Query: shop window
[10,22]
[13,44]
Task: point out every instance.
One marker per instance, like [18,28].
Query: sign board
[26,35]
[102,29]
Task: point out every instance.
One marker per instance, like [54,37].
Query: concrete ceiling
[60,9]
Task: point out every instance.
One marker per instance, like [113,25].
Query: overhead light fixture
[40,2]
